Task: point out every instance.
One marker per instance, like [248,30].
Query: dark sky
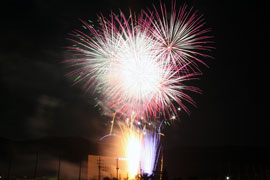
[37,100]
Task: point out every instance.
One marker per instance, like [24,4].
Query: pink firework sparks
[181,36]
[138,64]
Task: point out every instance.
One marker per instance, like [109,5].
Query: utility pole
[100,165]
[59,165]
[140,170]
[9,168]
[36,166]
[80,169]
[161,165]
[117,168]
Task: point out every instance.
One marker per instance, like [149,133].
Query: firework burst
[181,36]
[140,63]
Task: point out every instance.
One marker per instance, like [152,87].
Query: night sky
[38,100]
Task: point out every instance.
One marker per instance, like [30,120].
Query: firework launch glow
[138,65]
[141,148]
[132,145]
[150,152]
